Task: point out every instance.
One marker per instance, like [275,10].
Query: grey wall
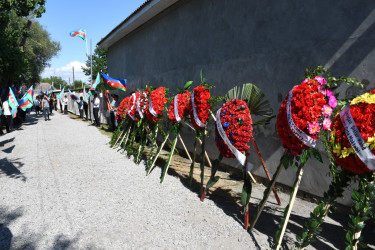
[268,43]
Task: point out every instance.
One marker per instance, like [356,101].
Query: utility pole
[73,78]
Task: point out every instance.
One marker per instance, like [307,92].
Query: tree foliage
[99,63]
[25,47]
[57,81]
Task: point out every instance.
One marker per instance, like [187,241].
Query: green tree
[79,83]
[99,63]
[13,36]
[39,49]
[57,81]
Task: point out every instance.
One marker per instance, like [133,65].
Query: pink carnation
[327,110]
[332,101]
[329,93]
[314,128]
[327,124]
[321,80]
[305,81]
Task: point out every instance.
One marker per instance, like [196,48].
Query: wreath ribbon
[178,118]
[239,156]
[196,118]
[356,141]
[132,107]
[151,109]
[305,139]
[140,112]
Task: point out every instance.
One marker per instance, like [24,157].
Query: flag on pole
[19,91]
[81,33]
[114,83]
[27,100]
[73,96]
[94,85]
[60,96]
[85,97]
[13,104]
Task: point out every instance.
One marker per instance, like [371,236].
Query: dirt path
[62,186]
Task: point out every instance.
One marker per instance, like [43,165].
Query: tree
[13,34]
[39,49]
[99,63]
[57,81]
[79,83]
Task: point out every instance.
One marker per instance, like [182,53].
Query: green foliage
[361,211]
[57,81]
[246,190]
[78,84]
[255,99]
[19,58]
[99,63]
[332,82]
[39,50]
[312,226]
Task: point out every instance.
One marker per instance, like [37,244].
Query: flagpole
[87,52]
[90,72]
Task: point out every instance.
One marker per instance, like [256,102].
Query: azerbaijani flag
[79,33]
[85,97]
[114,83]
[73,96]
[94,85]
[19,91]
[13,104]
[61,94]
[27,100]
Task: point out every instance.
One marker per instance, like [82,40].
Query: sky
[97,17]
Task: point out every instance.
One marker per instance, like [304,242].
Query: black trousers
[113,121]
[6,120]
[85,108]
[81,113]
[96,116]
[65,109]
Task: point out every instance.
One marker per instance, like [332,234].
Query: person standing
[96,105]
[114,106]
[7,114]
[65,105]
[86,108]
[45,107]
[80,107]
[36,105]
[51,101]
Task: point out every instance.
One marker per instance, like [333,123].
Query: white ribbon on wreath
[196,118]
[356,141]
[305,139]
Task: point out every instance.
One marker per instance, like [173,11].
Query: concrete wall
[264,42]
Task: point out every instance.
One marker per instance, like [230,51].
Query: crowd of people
[45,105]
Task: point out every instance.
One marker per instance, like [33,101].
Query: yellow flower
[365,98]
[371,142]
[346,151]
[337,149]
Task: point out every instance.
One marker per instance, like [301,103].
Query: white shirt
[96,102]
[6,108]
[65,101]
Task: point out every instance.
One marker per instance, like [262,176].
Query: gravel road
[62,187]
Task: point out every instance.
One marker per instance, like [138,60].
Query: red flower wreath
[237,124]
[142,101]
[123,108]
[309,111]
[362,109]
[132,109]
[201,97]
[183,103]
[158,101]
